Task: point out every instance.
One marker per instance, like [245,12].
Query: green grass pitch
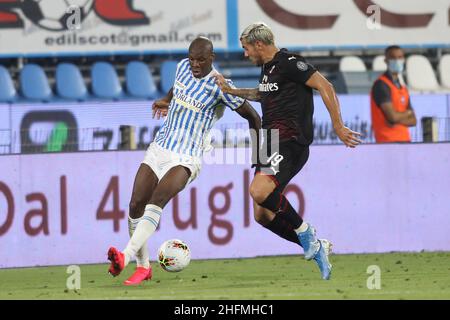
[403,276]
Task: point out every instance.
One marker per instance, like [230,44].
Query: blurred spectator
[390,105]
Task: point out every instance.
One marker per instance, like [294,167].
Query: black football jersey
[286,101]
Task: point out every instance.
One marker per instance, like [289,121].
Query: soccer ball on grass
[174,255]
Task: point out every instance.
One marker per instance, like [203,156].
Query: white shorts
[161,160]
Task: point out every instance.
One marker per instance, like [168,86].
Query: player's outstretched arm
[161,107]
[319,82]
[247,112]
[249,94]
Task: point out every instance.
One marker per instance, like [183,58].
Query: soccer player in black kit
[286,95]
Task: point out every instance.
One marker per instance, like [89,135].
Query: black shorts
[284,164]
[282,169]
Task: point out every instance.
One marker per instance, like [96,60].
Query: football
[174,255]
[53,15]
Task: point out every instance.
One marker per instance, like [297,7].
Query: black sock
[277,203]
[283,228]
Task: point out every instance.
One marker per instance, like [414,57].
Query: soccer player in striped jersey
[173,159]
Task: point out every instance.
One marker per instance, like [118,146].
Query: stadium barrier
[90,126]
[68,208]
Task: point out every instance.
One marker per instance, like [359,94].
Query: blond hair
[258,31]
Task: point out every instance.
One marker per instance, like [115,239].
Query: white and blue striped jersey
[196,105]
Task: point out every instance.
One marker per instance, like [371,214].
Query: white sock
[303,227]
[144,229]
[142,258]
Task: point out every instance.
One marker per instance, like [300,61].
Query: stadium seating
[70,83]
[94,79]
[243,77]
[7,90]
[167,72]
[420,74]
[355,75]
[34,83]
[352,64]
[139,81]
[105,81]
[444,71]
[359,82]
[241,72]
[378,63]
